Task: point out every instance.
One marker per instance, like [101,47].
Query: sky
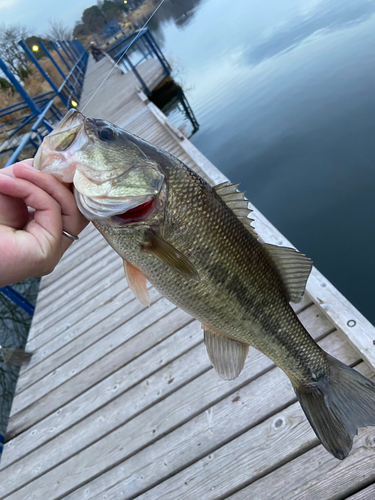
[35,14]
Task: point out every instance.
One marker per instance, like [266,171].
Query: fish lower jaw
[115,214]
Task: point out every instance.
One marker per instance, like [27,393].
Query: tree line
[92,21]
[94,18]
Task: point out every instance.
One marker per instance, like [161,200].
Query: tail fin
[337,405]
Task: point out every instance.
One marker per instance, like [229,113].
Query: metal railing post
[81,48]
[158,53]
[71,56]
[16,84]
[61,57]
[62,45]
[42,71]
[70,51]
[138,76]
[73,48]
[46,51]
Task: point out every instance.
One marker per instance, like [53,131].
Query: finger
[9,170]
[47,223]
[50,185]
[13,211]
[73,220]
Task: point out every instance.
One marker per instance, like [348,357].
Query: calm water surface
[284,94]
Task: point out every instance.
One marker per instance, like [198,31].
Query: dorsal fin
[294,268]
[235,200]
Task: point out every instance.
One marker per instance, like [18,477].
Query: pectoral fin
[226,355]
[170,256]
[137,283]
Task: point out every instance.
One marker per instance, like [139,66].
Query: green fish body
[195,244]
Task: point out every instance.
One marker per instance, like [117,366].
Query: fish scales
[193,242]
[240,292]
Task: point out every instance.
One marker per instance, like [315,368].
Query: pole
[42,71]
[17,85]
[148,37]
[67,52]
[46,51]
[138,76]
[61,57]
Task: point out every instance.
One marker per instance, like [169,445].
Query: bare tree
[58,31]
[10,51]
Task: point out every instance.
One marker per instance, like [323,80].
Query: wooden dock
[120,401]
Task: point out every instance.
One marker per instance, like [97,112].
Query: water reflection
[181,13]
[170,98]
[296,129]
[327,15]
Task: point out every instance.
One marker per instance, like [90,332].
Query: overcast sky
[36,14]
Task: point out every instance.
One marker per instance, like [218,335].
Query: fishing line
[116,64]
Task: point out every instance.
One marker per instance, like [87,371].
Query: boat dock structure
[120,401]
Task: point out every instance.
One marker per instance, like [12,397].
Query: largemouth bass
[195,244]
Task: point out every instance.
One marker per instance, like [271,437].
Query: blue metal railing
[18,299]
[140,41]
[43,110]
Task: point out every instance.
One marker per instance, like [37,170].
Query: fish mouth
[114,212]
[140,213]
[55,154]
[111,189]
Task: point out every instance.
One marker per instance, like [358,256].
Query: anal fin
[226,355]
[137,283]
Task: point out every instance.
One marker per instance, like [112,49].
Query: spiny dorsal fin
[294,268]
[226,355]
[235,200]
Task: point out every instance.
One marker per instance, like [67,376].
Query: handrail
[43,104]
[18,299]
[152,49]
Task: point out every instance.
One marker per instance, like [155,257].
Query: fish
[195,244]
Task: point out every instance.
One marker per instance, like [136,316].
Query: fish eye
[106,134]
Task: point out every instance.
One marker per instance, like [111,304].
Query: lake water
[284,95]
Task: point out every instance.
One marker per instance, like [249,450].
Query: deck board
[121,401]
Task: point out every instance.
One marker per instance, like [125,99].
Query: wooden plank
[52,340]
[54,354]
[67,308]
[116,412]
[365,494]
[317,475]
[93,262]
[241,413]
[137,359]
[79,380]
[152,424]
[80,246]
[59,421]
[107,337]
[87,250]
[78,285]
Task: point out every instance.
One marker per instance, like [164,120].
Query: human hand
[31,242]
